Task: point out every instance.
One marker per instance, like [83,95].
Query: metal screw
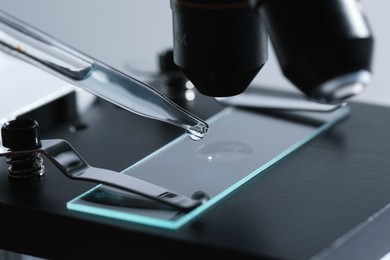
[23,135]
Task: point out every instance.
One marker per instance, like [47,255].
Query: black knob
[21,134]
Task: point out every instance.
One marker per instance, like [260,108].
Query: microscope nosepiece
[323,47]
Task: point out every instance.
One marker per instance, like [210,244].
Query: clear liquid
[47,53]
[198,131]
[140,98]
[27,46]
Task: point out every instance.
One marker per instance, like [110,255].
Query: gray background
[127,33]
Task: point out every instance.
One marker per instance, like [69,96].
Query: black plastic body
[219,45]
[222,45]
[301,207]
[316,41]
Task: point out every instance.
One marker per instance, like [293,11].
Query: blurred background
[129,35]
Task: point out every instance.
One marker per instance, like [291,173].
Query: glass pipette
[44,51]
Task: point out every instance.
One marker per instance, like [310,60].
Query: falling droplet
[198,131]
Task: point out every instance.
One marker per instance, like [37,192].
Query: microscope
[323,47]
[237,193]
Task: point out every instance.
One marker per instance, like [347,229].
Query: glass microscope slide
[240,145]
